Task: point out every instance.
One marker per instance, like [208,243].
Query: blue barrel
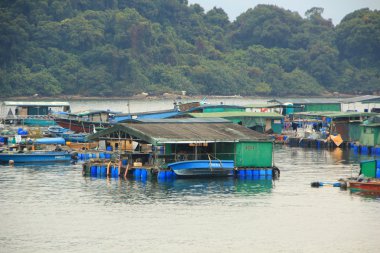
[80,156]
[249,173]
[137,173]
[262,172]
[161,175]
[103,170]
[88,156]
[168,174]
[109,148]
[377,151]
[114,171]
[269,172]
[242,173]
[108,156]
[378,164]
[356,148]
[364,150]
[124,162]
[256,172]
[93,155]
[98,171]
[102,156]
[378,173]
[144,173]
[93,170]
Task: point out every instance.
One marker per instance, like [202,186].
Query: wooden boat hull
[81,126]
[36,157]
[203,168]
[368,186]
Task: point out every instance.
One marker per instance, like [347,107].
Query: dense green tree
[125,47]
[358,38]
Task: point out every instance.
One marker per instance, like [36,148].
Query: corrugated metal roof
[306,100]
[91,112]
[178,120]
[335,114]
[271,115]
[206,106]
[160,133]
[36,103]
[363,99]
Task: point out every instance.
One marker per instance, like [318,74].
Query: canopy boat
[205,168]
[86,122]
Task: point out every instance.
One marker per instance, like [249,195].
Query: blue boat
[71,137]
[35,157]
[57,130]
[203,168]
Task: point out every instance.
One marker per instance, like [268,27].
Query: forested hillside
[125,47]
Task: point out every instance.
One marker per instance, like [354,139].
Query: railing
[176,157]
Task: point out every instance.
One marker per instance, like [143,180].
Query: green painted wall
[368,168]
[323,107]
[254,154]
[168,149]
[277,127]
[354,131]
[370,136]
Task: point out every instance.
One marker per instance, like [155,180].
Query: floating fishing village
[193,139]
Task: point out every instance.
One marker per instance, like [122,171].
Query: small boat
[35,157]
[369,177]
[371,185]
[72,137]
[87,121]
[24,155]
[203,168]
[57,130]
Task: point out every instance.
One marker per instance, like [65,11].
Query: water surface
[55,209]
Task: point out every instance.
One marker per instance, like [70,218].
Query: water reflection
[195,191]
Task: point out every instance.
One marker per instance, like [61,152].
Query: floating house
[38,113]
[259,121]
[155,143]
[265,108]
[370,132]
[208,108]
[368,103]
[347,124]
[308,105]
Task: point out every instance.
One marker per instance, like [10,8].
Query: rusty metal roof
[160,133]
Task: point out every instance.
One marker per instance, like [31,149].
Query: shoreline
[168,96]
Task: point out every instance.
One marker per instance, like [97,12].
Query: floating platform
[108,168]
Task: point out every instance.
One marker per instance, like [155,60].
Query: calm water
[55,209]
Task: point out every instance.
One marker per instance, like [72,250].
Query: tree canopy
[125,47]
